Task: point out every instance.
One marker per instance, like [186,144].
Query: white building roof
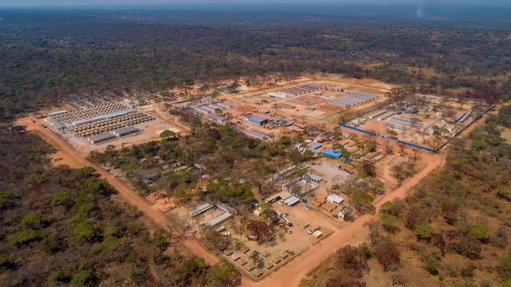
[334,198]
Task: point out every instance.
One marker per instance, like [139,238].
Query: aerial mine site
[183,146]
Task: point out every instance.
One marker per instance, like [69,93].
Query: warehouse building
[125,131]
[99,138]
[257,120]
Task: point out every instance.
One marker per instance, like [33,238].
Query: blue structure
[348,159]
[256,120]
[332,154]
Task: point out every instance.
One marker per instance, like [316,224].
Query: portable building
[201,209]
[219,219]
[335,199]
[375,114]
[313,177]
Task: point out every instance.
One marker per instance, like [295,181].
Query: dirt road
[292,273]
[71,156]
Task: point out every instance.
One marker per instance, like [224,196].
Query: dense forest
[47,55]
[452,230]
[61,227]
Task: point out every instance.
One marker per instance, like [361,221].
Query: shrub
[388,256]
[83,278]
[480,232]
[468,247]
[99,186]
[423,232]
[58,276]
[387,221]
[504,267]
[431,265]
[84,231]
[23,237]
[60,198]
[31,219]
[352,259]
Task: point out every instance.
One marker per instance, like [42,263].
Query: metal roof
[101,137]
[313,177]
[257,119]
[292,200]
[125,131]
[332,154]
[219,219]
[334,198]
[201,209]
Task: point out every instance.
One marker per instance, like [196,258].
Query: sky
[120,3]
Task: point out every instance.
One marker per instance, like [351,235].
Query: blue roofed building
[332,154]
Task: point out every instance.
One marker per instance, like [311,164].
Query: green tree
[99,186]
[223,274]
[167,134]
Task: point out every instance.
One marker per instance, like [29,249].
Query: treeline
[60,227]
[47,56]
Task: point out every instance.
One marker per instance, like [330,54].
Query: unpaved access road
[70,155]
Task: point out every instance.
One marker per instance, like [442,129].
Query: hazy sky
[142,2]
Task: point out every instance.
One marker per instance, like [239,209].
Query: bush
[83,278]
[388,221]
[99,186]
[388,256]
[504,267]
[223,274]
[480,232]
[423,232]
[60,198]
[353,260]
[468,247]
[85,231]
[23,237]
[58,276]
[31,219]
[431,265]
